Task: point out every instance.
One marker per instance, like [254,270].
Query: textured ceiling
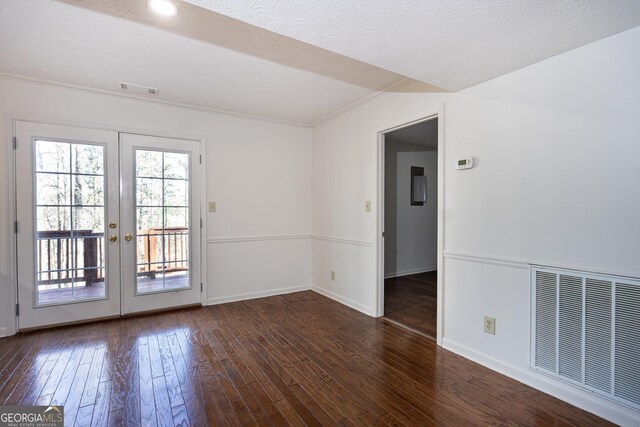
[452,44]
[199,58]
[296,61]
[423,133]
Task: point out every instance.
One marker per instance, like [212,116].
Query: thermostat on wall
[464,163]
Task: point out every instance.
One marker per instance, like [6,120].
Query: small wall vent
[586,331]
[139,89]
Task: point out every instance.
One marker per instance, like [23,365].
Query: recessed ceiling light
[163,7]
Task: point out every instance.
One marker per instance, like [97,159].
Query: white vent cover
[139,89]
[586,331]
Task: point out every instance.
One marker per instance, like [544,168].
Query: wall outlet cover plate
[490,325]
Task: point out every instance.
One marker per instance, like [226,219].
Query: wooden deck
[145,284]
[50,296]
[297,359]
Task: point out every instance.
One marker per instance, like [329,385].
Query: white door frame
[9,264]
[438,114]
[7,132]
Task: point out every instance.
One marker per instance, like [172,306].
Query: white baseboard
[589,402]
[408,272]
[254,295]
[3,332]
[343,300]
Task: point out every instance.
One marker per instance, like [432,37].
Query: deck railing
[65,257]
[173,241]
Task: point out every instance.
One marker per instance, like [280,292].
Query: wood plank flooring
[297,359]
[413,301]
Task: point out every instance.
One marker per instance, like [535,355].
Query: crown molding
[119,94]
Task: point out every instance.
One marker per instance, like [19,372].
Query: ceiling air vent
[139,89]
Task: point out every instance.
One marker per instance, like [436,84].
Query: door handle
[113,238]
[128,237]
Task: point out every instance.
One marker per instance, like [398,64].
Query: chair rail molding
[240,239]
[341,240]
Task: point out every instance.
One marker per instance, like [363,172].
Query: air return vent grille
[586,330]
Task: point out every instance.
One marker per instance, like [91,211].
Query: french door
[105,223]
[160,222]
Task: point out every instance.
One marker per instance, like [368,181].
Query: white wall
[556,182]
[257,171]
[344,155]
[410,239]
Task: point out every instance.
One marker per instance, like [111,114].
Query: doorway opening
[410,226]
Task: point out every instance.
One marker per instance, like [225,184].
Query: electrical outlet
[367,206]
[333,275]
[490,325]
[212,207]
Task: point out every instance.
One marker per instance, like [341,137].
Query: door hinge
[200,222]
[200,158]
[15,227]
[15,142]
[200,287]
[17,309]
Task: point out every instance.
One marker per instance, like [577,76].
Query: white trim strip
[340,240]
[604,408]
[368,98]
[254,295]
[364,100]
[526,264]
[343,300]
[3,332]
[241,239]
[393,274]
[143,98]
[493,260]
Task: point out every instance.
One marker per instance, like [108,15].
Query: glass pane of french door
[67,183]
[160,205]
[162,220]
[70,221]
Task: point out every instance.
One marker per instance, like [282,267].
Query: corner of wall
[254,295]
[343,300]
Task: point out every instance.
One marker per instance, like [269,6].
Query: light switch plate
[212,207]
[367,206]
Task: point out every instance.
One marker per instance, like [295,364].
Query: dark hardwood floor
[413,301]
[297,359]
